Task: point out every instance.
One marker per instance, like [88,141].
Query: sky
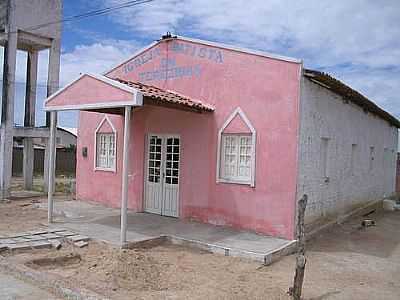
[357,41]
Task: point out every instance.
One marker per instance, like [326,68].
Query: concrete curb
[52,283]
[277,254]
[265,258]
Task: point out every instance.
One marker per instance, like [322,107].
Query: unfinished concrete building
[30,26]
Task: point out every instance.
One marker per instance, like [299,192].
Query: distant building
[66,153]
[66,138]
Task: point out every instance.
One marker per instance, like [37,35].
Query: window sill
[113,170]
[232,181]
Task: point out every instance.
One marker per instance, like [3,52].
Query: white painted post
[53,76]
[51,164]
[125,168]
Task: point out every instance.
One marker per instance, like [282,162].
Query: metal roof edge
[369,105]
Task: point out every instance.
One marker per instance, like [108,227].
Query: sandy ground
[14,289]
[347,262]
[20,215]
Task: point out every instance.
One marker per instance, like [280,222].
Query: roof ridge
[230,47]
[344,90]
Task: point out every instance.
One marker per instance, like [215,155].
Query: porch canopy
[101,94]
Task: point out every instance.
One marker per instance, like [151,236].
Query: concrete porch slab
[103,223]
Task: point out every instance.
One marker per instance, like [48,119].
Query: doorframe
[163,155]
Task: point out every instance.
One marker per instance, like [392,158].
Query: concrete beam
[32,132]
[32,41]
[28,41]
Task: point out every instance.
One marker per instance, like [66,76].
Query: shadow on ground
[352,237]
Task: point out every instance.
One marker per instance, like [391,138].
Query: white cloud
[356,40]
[377,85]
[326,34]
[94,58]
[327,31]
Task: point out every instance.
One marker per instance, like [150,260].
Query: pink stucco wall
[89,90]
[267,90]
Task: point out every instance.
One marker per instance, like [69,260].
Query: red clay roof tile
[167,96]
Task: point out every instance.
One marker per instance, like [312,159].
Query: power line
[90,14]
[83,16]
[24,83]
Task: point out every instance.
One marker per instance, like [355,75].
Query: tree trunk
[301,261]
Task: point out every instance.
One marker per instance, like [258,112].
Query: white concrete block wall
[324,114]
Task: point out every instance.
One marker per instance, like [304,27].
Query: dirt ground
[346,262]
[21,215]
[63,184]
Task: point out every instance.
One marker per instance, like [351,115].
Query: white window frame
[220,179]
[96,147]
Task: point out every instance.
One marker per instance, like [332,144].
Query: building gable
[91,90]
[175,63]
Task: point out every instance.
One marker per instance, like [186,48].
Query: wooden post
[301,261]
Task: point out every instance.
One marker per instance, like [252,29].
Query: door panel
[162,180]
[153,186]
[171,178]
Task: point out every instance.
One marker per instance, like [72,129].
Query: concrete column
[125,168]
[7,108]
[53,78]
[27,163]
[52,165]
[29,120]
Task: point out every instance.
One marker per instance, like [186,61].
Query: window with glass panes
[154,159]
[105,155]
[236,157]
[172,161]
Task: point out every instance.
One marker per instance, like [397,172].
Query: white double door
[162,174]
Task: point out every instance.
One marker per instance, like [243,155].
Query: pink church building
[228,136]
